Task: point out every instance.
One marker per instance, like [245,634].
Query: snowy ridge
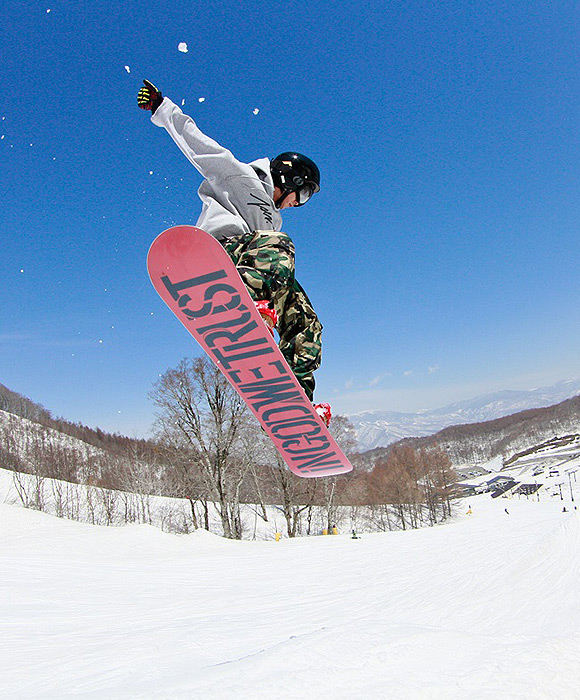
[381,428]
[27,435]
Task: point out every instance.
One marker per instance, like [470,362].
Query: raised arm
[212,160]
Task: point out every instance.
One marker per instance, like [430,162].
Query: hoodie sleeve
[212,160]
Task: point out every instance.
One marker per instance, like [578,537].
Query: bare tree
[289,493]
[202,420]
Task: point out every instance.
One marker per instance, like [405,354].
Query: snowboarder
[241,209]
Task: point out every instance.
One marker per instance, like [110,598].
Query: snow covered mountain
[381,428]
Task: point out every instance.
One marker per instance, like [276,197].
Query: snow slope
[486,607]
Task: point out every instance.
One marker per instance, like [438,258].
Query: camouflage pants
[265,261]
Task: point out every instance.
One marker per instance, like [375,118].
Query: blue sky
[441,253]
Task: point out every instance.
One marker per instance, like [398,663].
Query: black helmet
[293,172]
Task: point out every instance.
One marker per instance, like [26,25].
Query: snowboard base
[198,281]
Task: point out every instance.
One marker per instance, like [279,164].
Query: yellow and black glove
[149,97]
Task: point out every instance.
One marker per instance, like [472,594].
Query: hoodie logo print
[263,206]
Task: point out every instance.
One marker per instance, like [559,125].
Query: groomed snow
[486,607]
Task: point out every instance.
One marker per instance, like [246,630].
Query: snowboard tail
[196,278]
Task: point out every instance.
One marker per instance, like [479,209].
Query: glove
[149,97]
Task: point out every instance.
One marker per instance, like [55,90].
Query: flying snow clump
[182,47]
[127,69]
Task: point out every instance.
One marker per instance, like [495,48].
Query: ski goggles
[304,193]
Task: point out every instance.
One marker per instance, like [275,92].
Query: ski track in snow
[487,607]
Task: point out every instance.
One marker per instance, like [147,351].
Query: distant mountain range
[381,428]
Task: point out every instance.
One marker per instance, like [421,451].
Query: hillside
[411,492]
[379,428]
[56,472]
[476,443]
[32,441]
[18,405]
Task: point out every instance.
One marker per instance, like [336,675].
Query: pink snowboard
[198,281]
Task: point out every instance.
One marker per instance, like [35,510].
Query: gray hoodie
[236,196]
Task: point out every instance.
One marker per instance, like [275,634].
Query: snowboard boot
[324,411]
[268,314]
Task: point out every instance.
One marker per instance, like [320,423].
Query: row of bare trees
[211,453]
[414,486]
[222,456]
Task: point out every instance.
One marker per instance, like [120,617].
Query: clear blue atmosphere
[441,253]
